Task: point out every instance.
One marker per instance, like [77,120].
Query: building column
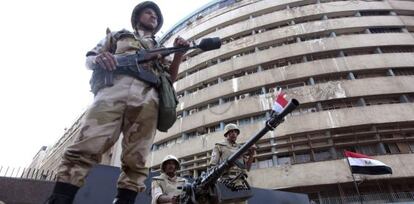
[361,102]
[184,136]
[263,90]
[319,106]
[274,156]
[404,99]
[311,81]
[332,149]
[390,72]
[222,126]
[380,146]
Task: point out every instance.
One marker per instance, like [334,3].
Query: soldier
[164,188]
[236,174]
[129,106]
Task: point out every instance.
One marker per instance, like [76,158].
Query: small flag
[280,101]
[363,164]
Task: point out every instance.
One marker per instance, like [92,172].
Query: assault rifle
[129,64]
[206,189]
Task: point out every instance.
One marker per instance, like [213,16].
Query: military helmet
[140,7]
[231,126]
[168,158]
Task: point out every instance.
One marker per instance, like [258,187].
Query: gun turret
[206,186]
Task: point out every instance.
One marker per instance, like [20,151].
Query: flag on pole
[363,164]
[280,101]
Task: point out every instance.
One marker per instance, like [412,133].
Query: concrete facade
[349,63]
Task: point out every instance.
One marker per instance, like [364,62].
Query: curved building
[350,64]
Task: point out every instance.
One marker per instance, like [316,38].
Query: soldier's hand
[106,61]
[180,42]
[175,199]
[252,149]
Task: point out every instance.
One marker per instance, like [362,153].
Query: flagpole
[353,178]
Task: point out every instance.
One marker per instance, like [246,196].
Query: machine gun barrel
[208,180]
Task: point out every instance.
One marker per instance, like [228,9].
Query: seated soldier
[164,188]
[235,177]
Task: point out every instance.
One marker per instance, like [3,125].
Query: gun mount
[206,187]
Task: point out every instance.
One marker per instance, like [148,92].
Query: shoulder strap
[221,144]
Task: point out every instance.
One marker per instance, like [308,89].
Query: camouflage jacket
[125,42]
[224,150]
[164,185]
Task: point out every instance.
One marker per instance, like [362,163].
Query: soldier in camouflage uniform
[130,107]
[224,150]
[164,188]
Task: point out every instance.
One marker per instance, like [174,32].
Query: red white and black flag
[363,164]
[280,101]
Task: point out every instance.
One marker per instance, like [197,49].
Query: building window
[244,121]
[385,30]
[265,164]
[302,158]
[322,155]
[368,149]
[285,158]
[411,145]
[391,148]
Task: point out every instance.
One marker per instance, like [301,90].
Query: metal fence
[401,198]
[27,173]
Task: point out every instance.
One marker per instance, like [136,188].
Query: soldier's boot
[125,196]
[63,193]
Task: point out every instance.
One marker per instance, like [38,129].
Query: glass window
[322,155]
[302,158]
[391,148]
[265,164]
[283,160]
[368,150]
[411,145]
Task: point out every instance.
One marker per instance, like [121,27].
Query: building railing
[27,173]
[401,197]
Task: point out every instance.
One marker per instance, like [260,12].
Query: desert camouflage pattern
[129,107]
[220,153]
[164,185]
[125,42]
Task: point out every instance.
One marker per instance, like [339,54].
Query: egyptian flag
[363,164]
[280,101]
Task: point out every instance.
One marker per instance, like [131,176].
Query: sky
[44,84]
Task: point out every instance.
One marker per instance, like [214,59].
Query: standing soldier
[164,188]
[129,106]
[236,175]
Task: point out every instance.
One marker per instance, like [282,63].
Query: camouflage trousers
[129,107]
